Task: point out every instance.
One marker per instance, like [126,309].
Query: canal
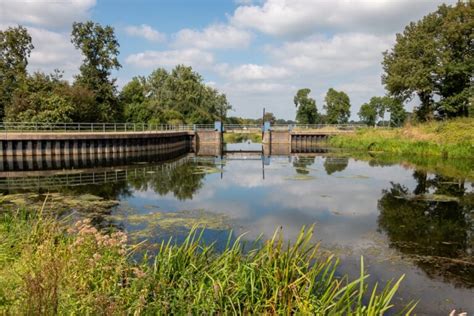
[404,217]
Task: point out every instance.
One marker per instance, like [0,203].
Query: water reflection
[433,224]
[405,217]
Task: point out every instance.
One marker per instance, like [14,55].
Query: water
[404,218]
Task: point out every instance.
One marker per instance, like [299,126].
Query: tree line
[432,62]
[176,97]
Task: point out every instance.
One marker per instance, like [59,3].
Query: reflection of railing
[74,178]
[23,127]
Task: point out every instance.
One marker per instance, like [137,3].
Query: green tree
[368,114]
[173,98]
[307,112]
[100,49]
[15,49]
[337,106]
[377,107]
[433,59]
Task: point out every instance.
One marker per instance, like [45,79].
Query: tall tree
[177,97]
[434,60]
[337,106]
[307,112]
[100,49]
[15,49]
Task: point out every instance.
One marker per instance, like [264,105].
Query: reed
[48,267]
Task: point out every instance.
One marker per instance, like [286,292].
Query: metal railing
[22,127]
[339,127]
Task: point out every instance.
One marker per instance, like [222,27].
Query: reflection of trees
[182,180]
[334,164]
[301,164]
[108,190]
[435,229]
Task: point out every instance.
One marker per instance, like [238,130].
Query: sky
[257,52]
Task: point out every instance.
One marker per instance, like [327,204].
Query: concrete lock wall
[99,144]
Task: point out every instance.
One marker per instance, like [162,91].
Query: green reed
[50,267]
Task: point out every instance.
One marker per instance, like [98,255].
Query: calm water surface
[403,219]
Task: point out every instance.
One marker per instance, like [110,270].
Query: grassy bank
[453,139]
[242,137]
[48,267]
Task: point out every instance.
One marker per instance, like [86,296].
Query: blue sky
[258,52]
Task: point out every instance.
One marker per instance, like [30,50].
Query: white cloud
[59,13]
[146,32]
[216,36]
[254,72]
[53,51]
[291,18]
[341,53]
[170,58]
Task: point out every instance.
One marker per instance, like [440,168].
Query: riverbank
[450,139]
[48,266]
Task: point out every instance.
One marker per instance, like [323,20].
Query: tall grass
[47,268]
[453,139]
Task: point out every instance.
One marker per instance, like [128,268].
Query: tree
[368,113]
[15,49]
[376,108]
[337,106]
[307,112]
[434,60]
[177,97]
[100,49]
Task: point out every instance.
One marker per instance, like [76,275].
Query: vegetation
[434,60]
[48,267]
[242,137]
[178,97]
[167,98]
[15,48]
[100,49]
[337,106]
[376,108]
[307,112]
[454,139]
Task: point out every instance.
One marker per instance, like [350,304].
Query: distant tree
[100,49]
[15,49]
[368,114]
[268,117]
[375,110]
[434,60]
[307,112]
[337,106]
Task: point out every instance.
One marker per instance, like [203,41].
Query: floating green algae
[56,202]
[156,223]
[300,177]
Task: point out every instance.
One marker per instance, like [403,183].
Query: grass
[49,267]
[453,139]
[242,137]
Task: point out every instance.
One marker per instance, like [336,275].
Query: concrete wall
[97,144]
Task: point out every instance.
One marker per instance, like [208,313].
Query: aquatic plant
[47,267]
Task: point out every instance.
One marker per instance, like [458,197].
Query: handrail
[27,127]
